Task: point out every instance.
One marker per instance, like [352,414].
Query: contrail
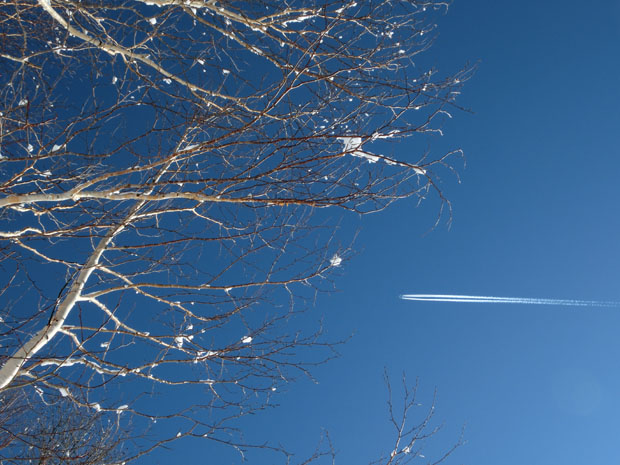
[482,299]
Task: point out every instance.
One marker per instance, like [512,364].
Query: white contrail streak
[482,299]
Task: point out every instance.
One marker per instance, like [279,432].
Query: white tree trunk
[11,368]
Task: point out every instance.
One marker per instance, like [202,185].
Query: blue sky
[534,216]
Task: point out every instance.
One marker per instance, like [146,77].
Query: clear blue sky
[535,216]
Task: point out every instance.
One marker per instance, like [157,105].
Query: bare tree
[53,430]
[411,439]
[414,430]
[170,168]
